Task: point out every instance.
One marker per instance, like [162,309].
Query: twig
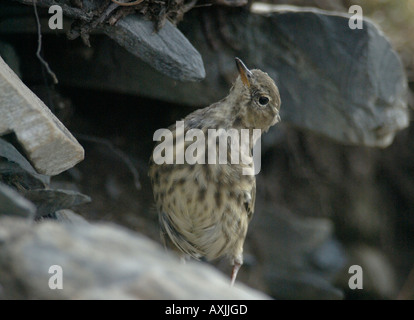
[116,151]
[203,5]
[39,46]
[86,27]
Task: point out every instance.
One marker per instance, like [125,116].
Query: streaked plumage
[205,209]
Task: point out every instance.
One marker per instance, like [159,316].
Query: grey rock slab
[14,166]
[68,216]
[302,286]
[50,147]
[13,204]
[345,84]
[14,176]
[300,254]
[10,57]
[101,261]
[49,201]
[167,50]
[379,275]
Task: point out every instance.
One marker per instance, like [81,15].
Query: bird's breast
[205,203]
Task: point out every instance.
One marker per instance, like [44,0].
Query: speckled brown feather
[205,209]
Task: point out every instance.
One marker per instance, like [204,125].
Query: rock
[300,254]
[379,276]
[50,201]
[14,168]
[101,261]
[302,286]
[10,57]
[13,204]
[331,5]
[328,258]
[48,144]
[14,176]
[346,84]
[68,216]
[17,172]
[168,50]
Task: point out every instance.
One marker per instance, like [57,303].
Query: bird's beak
[245,74]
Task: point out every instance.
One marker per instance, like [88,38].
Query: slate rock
[301,255]
[345,84]
[50,147]
[302,286]
[49,201]
[168,51]
[10,57]
[13,204]
[101,261]
[379,274]
[68,216]
[14,168]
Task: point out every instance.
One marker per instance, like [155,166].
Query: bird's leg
[236,267]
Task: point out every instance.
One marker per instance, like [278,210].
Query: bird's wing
[185,246]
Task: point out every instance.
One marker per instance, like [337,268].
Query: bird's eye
[263,100]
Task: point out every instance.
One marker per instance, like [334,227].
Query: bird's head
[257,98]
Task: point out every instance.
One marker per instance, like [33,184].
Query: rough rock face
[13,204]
[24,192]
[301,255]
[346,84]
[167,50]
[100,261]
[48,144]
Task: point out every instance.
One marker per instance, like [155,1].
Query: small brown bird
[205,208]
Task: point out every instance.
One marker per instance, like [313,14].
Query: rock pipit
[205,206]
